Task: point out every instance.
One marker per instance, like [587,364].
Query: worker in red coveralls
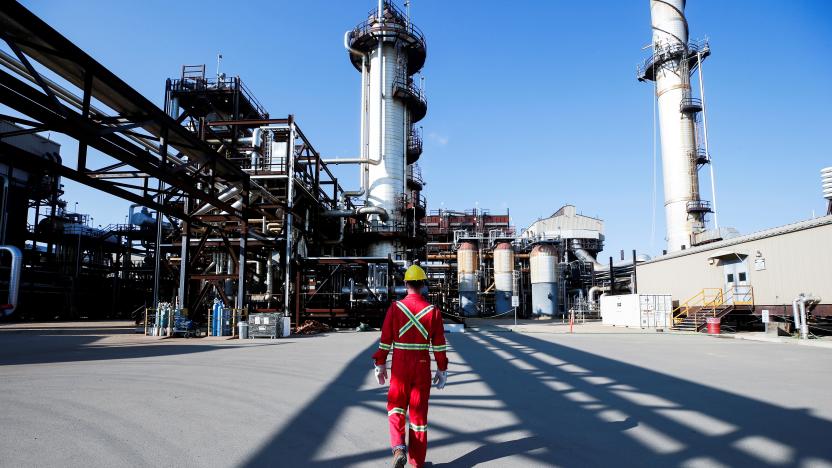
[412,327]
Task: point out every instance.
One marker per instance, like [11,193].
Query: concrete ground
[103,396]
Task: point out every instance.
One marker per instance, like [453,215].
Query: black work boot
[399,458]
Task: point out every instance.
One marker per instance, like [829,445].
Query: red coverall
[411,328]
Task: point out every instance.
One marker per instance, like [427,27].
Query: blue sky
[532,104]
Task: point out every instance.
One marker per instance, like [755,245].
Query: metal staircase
[711,302]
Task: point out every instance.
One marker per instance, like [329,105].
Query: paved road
[91,398]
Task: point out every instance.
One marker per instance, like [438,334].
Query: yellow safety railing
[709,300]
[740,295]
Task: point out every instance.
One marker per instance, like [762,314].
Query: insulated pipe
[363,151]
[227,194]
[594,290]
[351,161]
[363,211]
[270,263]
[796,312]
[804,326]
[14,279]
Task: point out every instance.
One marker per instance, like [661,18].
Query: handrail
[399,23]
[698,206]
[664,52]
[407,85]
[706,298]
[705,304]
[689,103]
[414,140]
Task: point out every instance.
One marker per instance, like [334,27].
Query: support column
[185,261]
[290,196]
[241,266]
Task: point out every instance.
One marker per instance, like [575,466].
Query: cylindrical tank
[503,276]
[466,264]
[677,129]
[543,263]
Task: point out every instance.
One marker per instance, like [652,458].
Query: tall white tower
[388,50]
[670,66]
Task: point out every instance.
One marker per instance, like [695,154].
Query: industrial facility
[235,213]
[288,258]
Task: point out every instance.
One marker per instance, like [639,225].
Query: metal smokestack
[670,67]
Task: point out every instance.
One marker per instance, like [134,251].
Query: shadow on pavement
[572,408]
[40,347]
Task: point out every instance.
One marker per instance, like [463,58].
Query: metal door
[735,275]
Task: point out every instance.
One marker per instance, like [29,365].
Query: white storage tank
[503,276]
[543,263]
[467,266]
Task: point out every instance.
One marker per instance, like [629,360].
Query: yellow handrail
[711,299]
[707,298]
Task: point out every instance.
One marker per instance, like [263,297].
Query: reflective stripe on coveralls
[413,321]
[416,428]
[410,378]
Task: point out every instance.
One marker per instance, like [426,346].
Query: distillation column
[670,67]
[388,50]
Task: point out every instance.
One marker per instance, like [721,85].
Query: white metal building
[566,223]
[777,264]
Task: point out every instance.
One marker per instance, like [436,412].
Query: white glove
[440,378]
[381,373]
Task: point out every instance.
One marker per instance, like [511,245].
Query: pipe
[363,211]
[585,256]
[364,174]
[796,311]
[349,259]
[270,262]
[14,278]
[802,300]
[594,290]
[352,161]
[3,214]
[804,328]
[227,194]
[377,210]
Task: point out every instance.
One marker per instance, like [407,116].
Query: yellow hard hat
[415,273]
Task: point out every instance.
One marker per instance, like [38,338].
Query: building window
[730,277]
[742,276]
